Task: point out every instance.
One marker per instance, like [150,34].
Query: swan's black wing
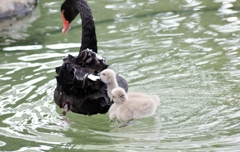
[122,82]
[83,95]
[87,101]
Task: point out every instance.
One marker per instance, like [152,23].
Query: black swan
[76,90]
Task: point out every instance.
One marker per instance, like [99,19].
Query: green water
[185,51]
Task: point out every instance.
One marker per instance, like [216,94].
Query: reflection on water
[13,29]
[185,51]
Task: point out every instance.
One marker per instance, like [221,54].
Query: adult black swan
[77,90]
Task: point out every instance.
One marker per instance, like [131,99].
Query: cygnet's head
[107,75]
[119,95]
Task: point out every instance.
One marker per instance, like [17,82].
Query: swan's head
[119,95]
[69,12]
[107,75]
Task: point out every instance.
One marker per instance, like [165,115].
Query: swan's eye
[103,74]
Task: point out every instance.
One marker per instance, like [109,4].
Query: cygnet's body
[108,76]
[127,108]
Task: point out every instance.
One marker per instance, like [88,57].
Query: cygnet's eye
[103,74]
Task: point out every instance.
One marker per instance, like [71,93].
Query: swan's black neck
[89,39]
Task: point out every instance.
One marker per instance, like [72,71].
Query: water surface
[186,52]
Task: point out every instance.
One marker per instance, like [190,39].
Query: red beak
[66,25]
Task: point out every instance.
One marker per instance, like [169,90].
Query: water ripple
[187,54]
